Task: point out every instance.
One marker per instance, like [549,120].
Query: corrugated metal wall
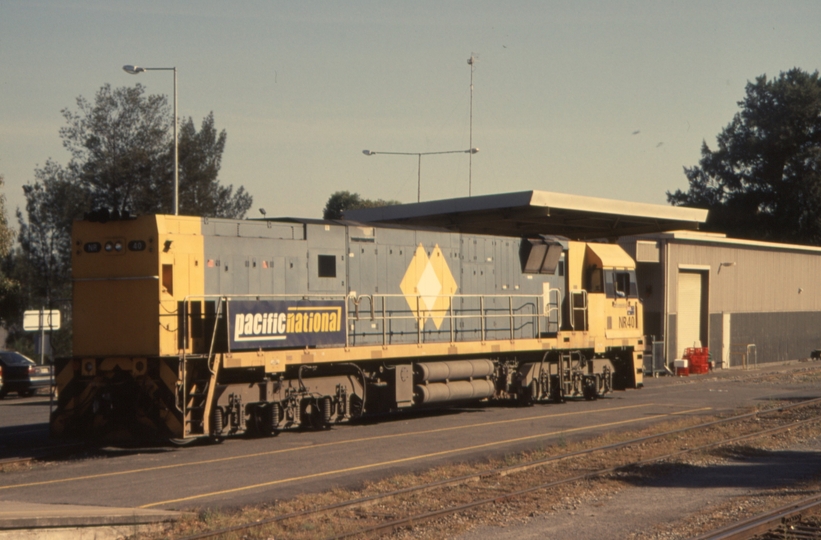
[771,296]
[760,281]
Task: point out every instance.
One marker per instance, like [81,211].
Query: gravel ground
[675,499]
[680,502]
[685,498]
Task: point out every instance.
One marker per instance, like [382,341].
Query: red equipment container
[699,358]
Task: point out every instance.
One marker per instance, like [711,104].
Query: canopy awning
[528,213]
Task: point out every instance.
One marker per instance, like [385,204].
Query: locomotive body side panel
[214,322]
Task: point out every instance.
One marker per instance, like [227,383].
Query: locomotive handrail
[484,314]
[557,307]
[583,309]
[529,308]
[211,355]
[357,300]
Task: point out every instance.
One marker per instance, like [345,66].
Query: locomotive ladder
[571,372]
[199,397]
[195,403]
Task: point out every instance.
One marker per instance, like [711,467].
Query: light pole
[419,166]
[134,70]
[471,63]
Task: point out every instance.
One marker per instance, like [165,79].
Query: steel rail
[502,471]
[418,518]
[765,522]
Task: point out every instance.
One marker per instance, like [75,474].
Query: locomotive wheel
[321,413]
[557,393]
[589,389]
[183,442]
[524,397]
[558,396]
[311,415]
[262,421]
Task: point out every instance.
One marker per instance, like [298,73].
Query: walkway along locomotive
[189,327]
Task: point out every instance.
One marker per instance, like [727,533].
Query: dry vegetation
[567,498]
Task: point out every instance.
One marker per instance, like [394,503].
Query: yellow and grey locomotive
[189,327]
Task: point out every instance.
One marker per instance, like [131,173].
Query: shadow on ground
[742,467]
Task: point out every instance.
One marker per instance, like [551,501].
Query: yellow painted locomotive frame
[129,292]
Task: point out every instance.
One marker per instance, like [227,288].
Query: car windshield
[14,359]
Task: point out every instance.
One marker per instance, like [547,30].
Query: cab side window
[622,284]
[594,280]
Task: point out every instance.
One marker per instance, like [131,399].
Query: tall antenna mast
[471,62]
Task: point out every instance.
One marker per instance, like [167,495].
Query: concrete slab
[54,521]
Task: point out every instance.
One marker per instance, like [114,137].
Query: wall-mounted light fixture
[724,264]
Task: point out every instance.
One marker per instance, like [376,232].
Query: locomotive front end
[128,278]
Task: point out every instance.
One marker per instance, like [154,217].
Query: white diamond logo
[429,287]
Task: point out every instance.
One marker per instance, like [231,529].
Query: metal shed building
[750,302]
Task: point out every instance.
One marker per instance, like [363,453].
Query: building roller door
[688,329]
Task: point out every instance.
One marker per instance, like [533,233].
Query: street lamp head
[368,152]
[133,69]
[473,150]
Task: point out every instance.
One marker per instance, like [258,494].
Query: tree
[9,287]
[764,179]
[53,202]
[121,150]
[200,157]
[6,235]
[340,201]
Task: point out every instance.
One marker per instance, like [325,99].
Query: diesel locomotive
[188,327]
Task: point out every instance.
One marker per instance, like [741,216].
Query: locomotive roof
[352,223]
[527,213]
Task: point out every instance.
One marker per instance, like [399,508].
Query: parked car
[22,375]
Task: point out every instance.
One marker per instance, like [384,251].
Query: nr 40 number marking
[628,322]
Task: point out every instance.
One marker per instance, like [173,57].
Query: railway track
[520,480]
[796,521]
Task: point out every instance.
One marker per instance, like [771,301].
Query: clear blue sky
[600,98]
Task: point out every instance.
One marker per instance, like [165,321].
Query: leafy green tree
[121,148]
[6,236]
[340,201]
[42,263]
[52,204]
[200,155]
[9,287]
[764,179]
